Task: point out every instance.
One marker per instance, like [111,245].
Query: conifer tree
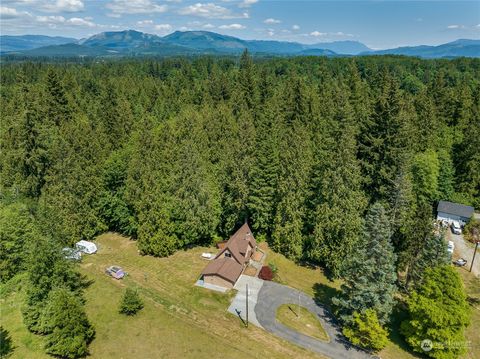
[264,177]
[337,201]
[370,274]
[66,325]
[247,80]
[58,107]
[131,302]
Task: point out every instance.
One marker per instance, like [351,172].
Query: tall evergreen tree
[384,139]
[287,235]
[66,325]
[337,200]
[264,176]
[370,274]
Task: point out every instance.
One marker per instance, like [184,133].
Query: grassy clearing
[301,320]
[308,279]
[181,320]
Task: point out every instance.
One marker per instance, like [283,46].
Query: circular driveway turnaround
[272,295]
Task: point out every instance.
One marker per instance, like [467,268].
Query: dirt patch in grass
[251,271]
[257,256]
[301,320]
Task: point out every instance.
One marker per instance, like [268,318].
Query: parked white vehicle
[456,228]
[450,247]
[72,254]
[86,247]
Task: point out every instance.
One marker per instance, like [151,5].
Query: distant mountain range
[135,43]
[28,42]
[458,48]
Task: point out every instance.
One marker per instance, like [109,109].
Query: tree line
[326,158]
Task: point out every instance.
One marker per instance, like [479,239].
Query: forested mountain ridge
[179,152]
[135,43]
[27,42]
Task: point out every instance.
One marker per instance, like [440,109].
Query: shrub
[365,331]
[131,302]
[273,267]
[266,273]
[438,312]
[472,226]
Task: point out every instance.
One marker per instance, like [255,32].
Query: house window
[228,254]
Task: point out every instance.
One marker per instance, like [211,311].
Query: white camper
[86,247]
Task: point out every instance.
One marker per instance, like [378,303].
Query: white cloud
[163,27]
[150,24]
[271,21]
[50,19]
[453,26]
[342,34]
[145,22]
[210,11]
[318,33]
[53,20]
[295,27]
[247,3]
[232,27]
[120,7]
[271,32]
[208,26]
[330,35]
[63,6]
[9,13]
[78,21]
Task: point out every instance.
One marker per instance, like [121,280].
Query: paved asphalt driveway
[272,295]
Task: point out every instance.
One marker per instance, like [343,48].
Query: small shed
[449,211]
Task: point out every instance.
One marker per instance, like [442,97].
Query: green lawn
[302,320]
[179,320]
[183,321]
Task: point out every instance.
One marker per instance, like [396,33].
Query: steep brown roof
[230,268]
[238,243]
[227,268]
[244,232]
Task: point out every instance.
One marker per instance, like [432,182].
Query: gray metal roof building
[455,209]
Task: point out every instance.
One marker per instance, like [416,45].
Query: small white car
[450,247]
[456,229]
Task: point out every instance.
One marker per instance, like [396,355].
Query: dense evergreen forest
[180,152]
[338,162]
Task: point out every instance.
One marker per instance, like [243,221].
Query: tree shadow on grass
[399,314]
[6,345]
[323,295]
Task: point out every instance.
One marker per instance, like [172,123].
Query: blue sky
[378,24]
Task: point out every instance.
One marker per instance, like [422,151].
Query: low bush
[131,302]
[266,273]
